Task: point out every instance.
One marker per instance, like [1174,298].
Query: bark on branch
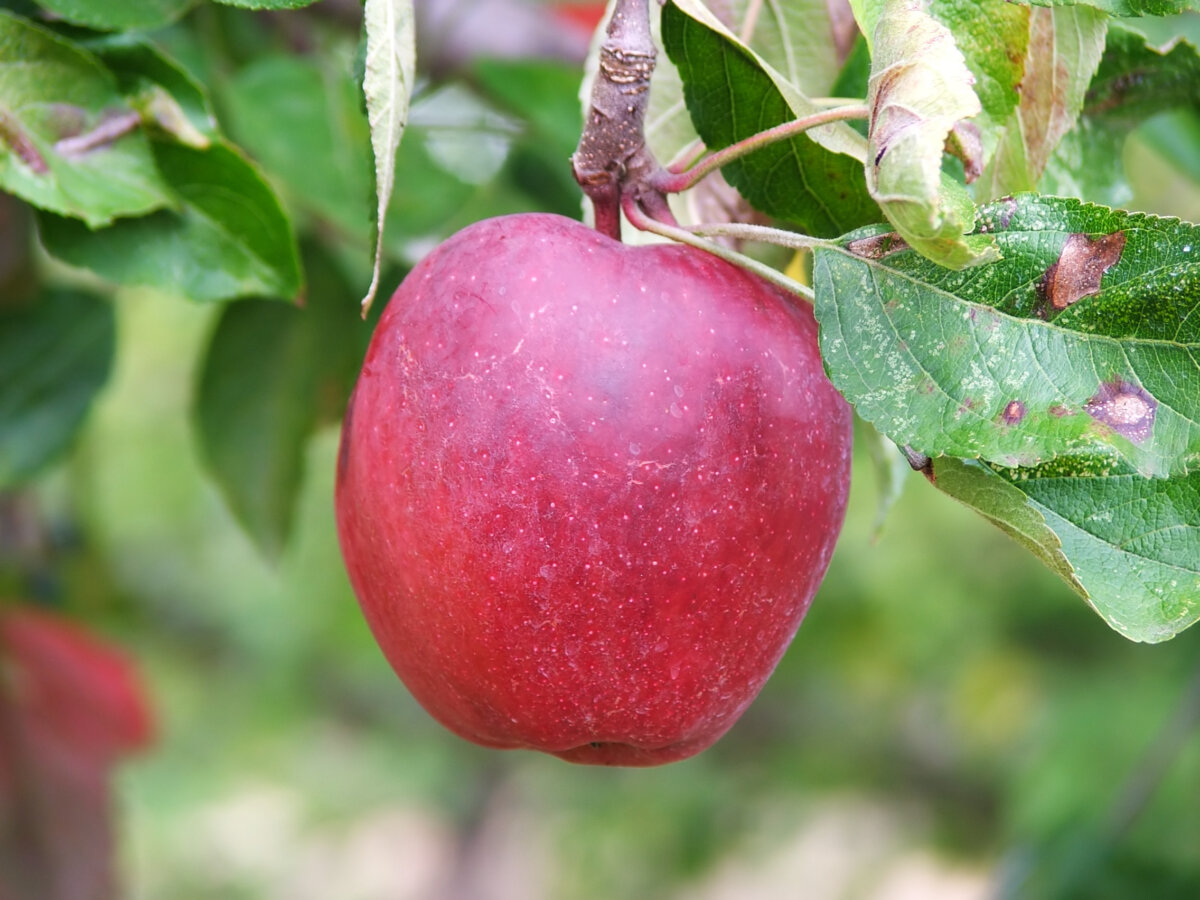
[612,150]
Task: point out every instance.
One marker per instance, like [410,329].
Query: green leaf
[160,88]
[388,84]
[306,127]
[1129,545]
[1135,80]
[814,181]
[230,238]
[53,94]
[993,36]
[1134,83]
[795,39]
[116,15]
[1126,7]
[269,373]
[542,93]
[55,356]
[1063,51]
[867,14]
[1085,338]
[919,90]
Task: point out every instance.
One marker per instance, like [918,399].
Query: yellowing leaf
[1065,47]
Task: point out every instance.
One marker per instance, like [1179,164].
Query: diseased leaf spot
[1125,407]
[1080,267]
[988,223]
[877,247]
[1013,413]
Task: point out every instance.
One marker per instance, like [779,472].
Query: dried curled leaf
[920,89]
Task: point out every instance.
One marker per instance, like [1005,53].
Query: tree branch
[612,149]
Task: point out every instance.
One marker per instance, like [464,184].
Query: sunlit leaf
[1126,7]
[795,39]
[993,36]
[1083,339]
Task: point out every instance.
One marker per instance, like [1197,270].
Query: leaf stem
[674,182]
[639,219]
[760,233]
[687,157]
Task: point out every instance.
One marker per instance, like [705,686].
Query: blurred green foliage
[946,695]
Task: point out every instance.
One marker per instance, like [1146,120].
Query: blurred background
[950,722]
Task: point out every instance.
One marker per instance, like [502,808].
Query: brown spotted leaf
[1083,339]
[1062,52]
[1129,545]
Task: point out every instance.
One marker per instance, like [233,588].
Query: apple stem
[640,218]
[612,151]
[672,182]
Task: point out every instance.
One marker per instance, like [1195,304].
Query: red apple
[585,16]
[587,491]
[70,705]
[72,690]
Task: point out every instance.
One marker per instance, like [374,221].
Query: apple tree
[944,183]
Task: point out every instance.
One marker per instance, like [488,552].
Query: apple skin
[586,491]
